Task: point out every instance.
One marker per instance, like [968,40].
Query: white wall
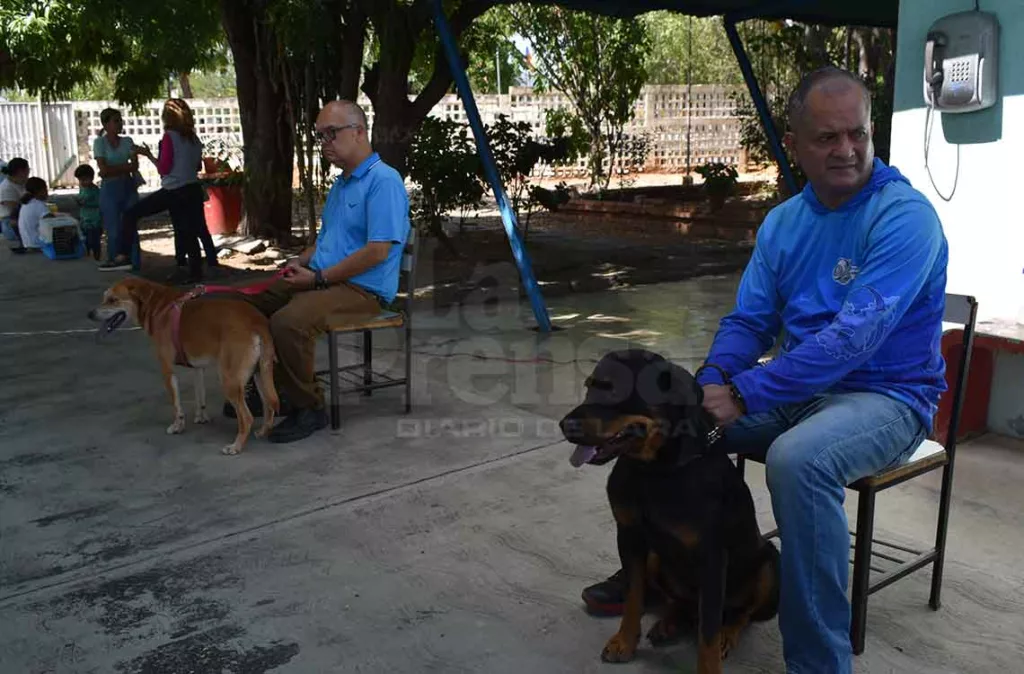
[984,221]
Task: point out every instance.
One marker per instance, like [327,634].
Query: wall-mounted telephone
[961,62]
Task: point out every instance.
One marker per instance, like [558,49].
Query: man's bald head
[341,128]
[827,81]
[342,112]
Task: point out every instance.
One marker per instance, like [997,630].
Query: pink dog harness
[180,357]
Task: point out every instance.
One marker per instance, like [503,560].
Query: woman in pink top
[180,193]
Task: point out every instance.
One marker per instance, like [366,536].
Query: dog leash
[716,433]
[180,357]
[108,326]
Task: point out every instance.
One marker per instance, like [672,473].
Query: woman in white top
[11,191]
[33,210]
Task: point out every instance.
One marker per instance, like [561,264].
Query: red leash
[179,353]
[253,289]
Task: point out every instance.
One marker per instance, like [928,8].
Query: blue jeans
[185,205]
[814,449]
[10,229]
[117,195]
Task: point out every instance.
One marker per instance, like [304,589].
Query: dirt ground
[568,254]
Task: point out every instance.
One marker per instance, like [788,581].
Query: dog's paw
[666,631]
[201,416]
[231,449]
[263,431]
[619,648]
[177,427]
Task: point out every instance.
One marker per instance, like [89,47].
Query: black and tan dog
[684,516]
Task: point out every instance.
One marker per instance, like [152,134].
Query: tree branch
[441,79]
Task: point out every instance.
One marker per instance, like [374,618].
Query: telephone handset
[961,62]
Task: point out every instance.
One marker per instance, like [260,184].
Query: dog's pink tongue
[582,454]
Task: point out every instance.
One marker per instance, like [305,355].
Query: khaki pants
[297,319]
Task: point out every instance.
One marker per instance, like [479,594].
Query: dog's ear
[676,386]
[140,293]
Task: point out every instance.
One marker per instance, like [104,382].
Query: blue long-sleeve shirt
[858,290]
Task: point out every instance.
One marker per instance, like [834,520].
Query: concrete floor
[456,539]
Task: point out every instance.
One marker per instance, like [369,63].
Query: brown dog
[198,332]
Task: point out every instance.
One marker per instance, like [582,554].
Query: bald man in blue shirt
[353,267]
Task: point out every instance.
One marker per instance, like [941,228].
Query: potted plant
[223,179]
[719,182]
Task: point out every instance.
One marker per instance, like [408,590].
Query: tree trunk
[400,27]
[186,85]
[815,37]
[394,120]
[267,137]
[353,39]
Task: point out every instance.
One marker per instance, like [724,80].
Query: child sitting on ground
[33,210]
[89,210]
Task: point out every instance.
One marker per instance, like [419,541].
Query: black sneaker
[115,266]
[608,597]
[300,424]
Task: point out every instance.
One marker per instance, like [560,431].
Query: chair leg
[862,568]
[367,361]
[408,371]
[945,497]
[332,359]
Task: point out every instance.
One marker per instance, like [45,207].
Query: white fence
[57,137]
[43,134]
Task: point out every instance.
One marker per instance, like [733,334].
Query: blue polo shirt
[370,204]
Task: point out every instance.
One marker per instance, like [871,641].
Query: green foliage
[515,154]
[100,87]
[633,152]
[444,163]
[719,181]
[705,52]
[562,123]
[214,83]
[486,38]
[483,42]
[598,62]
[57,45]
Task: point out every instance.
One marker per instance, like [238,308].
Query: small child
[33,210]
[89,210]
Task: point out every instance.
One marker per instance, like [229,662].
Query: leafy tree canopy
[52,46]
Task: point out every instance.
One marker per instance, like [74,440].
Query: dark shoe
[300,424]
[608,597]
[255,403]
[115,266]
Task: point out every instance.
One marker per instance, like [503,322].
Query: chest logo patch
[844,271]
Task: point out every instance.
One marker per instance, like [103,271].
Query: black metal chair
[362,376]
[961,310]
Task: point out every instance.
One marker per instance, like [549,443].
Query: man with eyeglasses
[352,269]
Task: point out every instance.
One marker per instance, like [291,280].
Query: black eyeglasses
[329,133]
